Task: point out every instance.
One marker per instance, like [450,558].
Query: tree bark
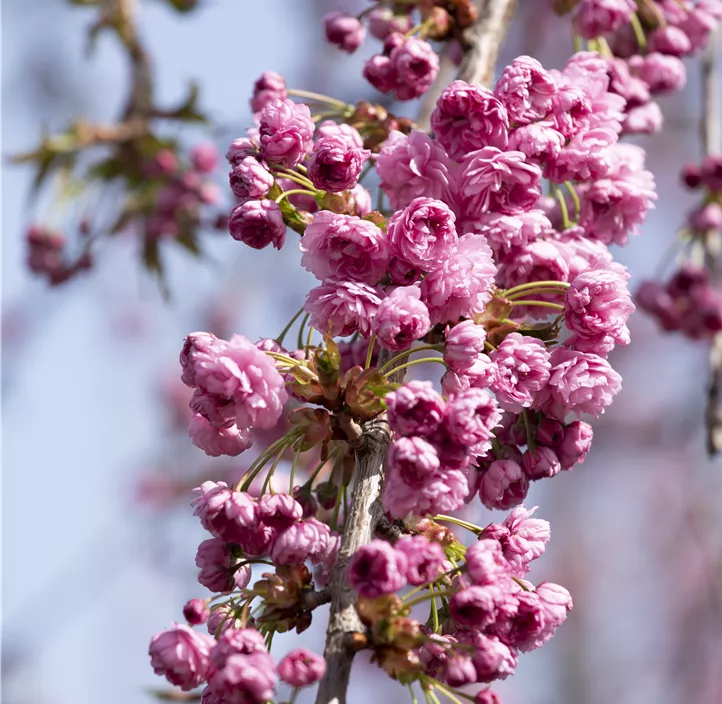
[482,41]
[363,516]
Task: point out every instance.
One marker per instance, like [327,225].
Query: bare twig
[710,133]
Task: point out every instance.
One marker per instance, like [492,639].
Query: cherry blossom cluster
[170,201]
[482,611]
[460,259]
[644,42]
[408,64]
[690,301]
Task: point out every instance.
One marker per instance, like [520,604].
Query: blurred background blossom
[99,541]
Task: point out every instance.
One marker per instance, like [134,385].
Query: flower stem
[425,597]
[279,339]
[534,291]
[542,304]
[370,351]
[457,521]
[434,610]
[294,464]
[263,458]
[575,197]
[406,353]
[294,191]
[638,31]
[295,177]
[301,328]
[533,284]
[415,362]
[566,223]
[317,97]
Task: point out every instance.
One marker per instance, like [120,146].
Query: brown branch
[482,41]
[710,133]
[312,599]
[361,522]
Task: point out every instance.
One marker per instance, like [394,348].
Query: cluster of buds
[46,256]
[482,611]
[644,42]
[408,64]
[690,301]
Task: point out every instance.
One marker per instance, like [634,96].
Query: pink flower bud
[485,563]
[181,655]
[344,247]
[575,445]
[424,560]
[503,485]
[669,39]
[475,606]
[468,117]
[464,343]
[540,463]
[415,408]
[215,442]
[595,18]
[270,86]
[345,31]
[661,72]
[471,416]
[401,319]
[250,179]
[204,157]
[380,72]
[301,668]
[459,670]
[416,65]
[286,132]
[300,542]
[549,433]
[240,149]
[376,569]
[487,696]
[258,223]
[711,172]
[336,164]
[196,611]
[521,370]
[383,21]
[341,307]
[218,569]
[707,217]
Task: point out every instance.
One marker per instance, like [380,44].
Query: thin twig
[710,134]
